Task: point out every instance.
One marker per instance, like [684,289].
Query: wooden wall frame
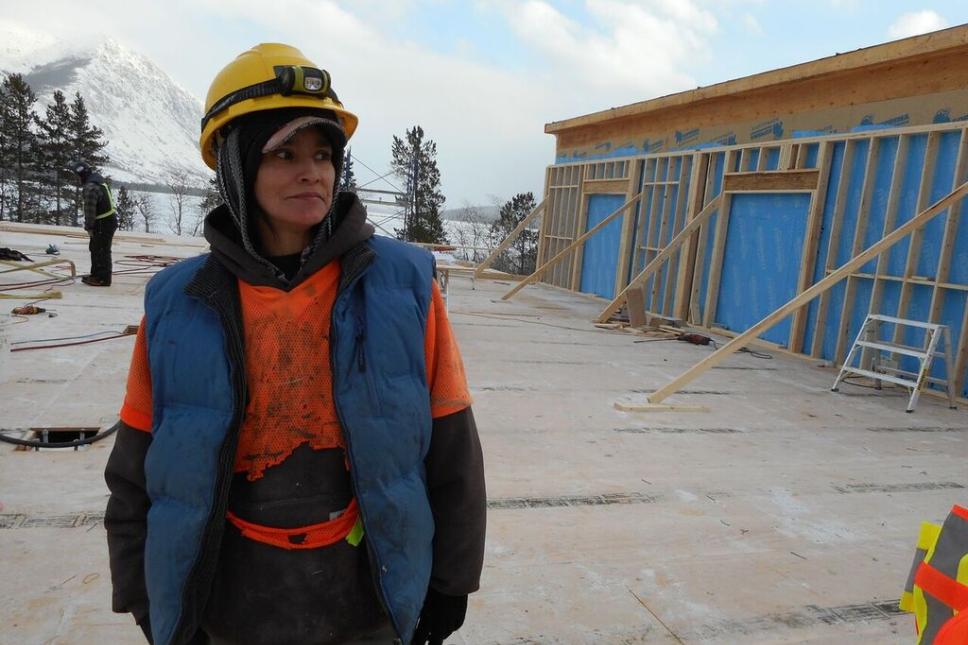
[684,284]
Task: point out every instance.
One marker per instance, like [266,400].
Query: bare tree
[178,199]
[472,230]
[142,204]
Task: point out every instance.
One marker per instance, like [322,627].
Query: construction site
[719,411]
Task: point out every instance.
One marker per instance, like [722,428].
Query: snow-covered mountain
[150,122]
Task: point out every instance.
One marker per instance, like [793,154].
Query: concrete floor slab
[784,514]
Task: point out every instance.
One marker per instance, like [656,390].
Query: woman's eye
[283,154]
[324,155]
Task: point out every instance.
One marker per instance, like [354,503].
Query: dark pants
[100,247]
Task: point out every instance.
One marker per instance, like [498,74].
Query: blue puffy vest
[382,399]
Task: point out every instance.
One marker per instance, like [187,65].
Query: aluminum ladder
[872,347]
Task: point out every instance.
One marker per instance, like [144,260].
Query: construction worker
[297,460]
[100,222]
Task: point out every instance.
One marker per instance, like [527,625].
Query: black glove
[441,616]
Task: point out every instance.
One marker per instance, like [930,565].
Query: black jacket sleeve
[126,521]
[89,197]
[455,483]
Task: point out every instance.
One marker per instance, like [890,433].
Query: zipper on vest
[360,344]
[375,565]
[202,571]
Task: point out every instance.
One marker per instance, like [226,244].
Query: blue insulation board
[761,260]
[600,259]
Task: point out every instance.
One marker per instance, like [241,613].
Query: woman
[297,460]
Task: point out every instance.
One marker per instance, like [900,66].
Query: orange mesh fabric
[288,372]
[287,369]
[136,410]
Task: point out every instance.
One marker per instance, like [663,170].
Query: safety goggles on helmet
[289,80]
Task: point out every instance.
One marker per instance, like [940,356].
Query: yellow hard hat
[267,77]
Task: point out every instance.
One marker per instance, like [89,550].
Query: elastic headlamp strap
[293,79]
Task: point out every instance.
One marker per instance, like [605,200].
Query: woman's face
[294,184]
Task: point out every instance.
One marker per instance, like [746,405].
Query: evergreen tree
[56,154]
[17,118]
[522,255]
[415,162]
[347,181]
[87,143]
[212,198]
[125,206]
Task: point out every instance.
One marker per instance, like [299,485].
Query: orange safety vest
[937,587]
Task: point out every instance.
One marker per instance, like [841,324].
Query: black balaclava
[239,156]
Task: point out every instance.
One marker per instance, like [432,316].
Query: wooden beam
[509,240]
[568,249]
[772,181]
[657,261]
[35,266]
[890,216]
[687,257]
[811,241]
[857,244]
[833,243]
[914,248]
[581,222]
[798,301]
[678,221]
[636,308]
[948,237]
[665,224]
[626,247]
[605,186]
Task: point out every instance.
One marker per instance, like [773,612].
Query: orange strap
[303,537]
[948,590]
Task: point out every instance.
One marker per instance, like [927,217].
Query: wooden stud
[817,289]
[568,249]
[716,262]
[678,221]
[687,257]
[890,217]
[662,256]
[581,223]
[645,211]
[948,237]
[636,307]
[914,247]
[811,241]
[833,244]
[625,250]
[659,407]
[655,213]
[961,362]
[704,234]
[664,225]
[543,226]
[860,228]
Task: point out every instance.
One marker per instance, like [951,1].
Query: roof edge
[893,51]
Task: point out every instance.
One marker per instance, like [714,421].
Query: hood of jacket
[350,228]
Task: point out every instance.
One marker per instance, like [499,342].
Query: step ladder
[872,349]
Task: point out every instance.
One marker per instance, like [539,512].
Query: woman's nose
[309,171]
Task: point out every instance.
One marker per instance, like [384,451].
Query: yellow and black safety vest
[111,208]
[937,587]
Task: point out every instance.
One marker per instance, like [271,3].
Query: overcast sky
[483,77]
